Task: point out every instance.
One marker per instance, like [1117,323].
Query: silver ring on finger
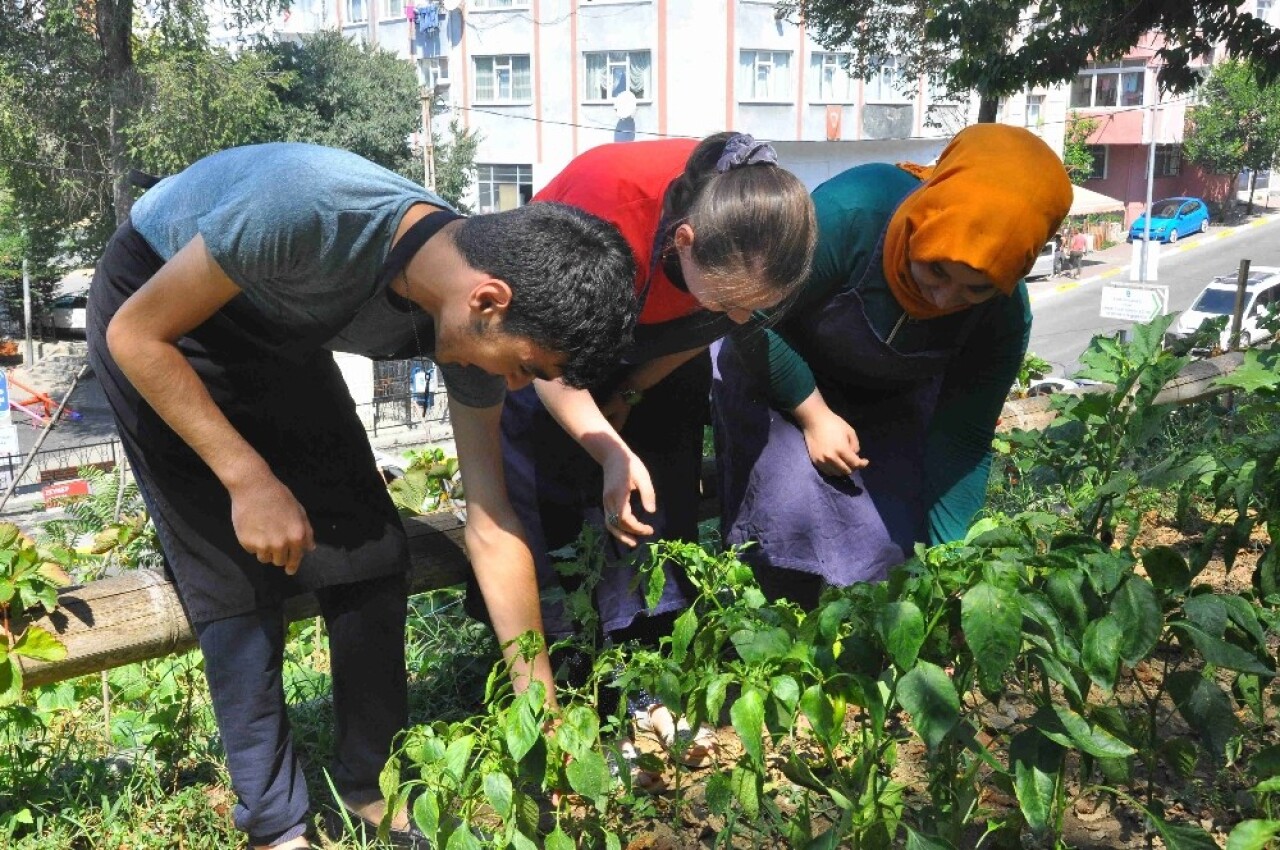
[614,520]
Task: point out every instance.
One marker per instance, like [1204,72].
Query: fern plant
[108,530]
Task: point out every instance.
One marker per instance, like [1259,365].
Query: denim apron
[844,529]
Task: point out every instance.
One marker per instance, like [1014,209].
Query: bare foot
[372,807]
[692,750]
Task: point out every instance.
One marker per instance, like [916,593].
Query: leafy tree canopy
[1237,122]
[998,47]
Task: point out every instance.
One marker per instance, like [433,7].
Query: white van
[1261,297]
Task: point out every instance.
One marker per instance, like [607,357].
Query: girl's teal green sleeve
[974,389]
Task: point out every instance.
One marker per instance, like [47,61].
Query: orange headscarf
[991,202]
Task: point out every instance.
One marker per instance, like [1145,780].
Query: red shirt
[623,183]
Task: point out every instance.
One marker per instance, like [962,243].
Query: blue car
[1173,217]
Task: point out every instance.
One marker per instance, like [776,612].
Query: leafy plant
[28,588]
[431,482]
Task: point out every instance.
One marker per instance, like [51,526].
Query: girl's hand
[624,474]
[832,443]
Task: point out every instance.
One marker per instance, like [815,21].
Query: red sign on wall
[834,116]
[62,490]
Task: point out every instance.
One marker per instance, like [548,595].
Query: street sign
[63,490]
[1134,302]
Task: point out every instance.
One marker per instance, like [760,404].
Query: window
[1099,169]
[435,71]
[887,84]
[392,9]
[504,187]
[496,4]
[1168,160]
[1035,110]
[503,79]
[356,12]
[610,74]
[766,74]
[831,81]
[1264,9]
[1104,88]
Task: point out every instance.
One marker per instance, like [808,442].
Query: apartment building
[544,80]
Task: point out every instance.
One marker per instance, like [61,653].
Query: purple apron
[844,529]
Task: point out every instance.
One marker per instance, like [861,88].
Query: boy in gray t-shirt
[212,316]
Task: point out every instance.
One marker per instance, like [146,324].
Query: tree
[1236,125]
[998,47]
[338,93]
[1075,148]
[455,163]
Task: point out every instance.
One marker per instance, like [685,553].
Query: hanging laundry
[410,13]
[433,17]
[421,9]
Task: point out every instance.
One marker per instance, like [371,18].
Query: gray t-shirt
[303,230]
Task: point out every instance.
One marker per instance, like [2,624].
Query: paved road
[1066,313]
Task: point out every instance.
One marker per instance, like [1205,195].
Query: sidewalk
[1114,261]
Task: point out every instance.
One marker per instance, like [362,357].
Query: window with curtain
[496,4]
[831,81]
[1099,169]
[503,79]
[1104,88]
[888,83]
[357,12]
[766,74]
[1168,160]
[609,74]
[392,9]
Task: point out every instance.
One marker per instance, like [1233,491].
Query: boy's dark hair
[572,279]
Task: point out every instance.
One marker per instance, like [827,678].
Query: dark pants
[244,659]
[1077,260]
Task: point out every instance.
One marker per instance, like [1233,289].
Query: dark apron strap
[407,246]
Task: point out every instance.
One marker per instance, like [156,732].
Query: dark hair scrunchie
[742,149]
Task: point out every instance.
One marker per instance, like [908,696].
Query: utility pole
[427,96]
[1151,176]
[29,355]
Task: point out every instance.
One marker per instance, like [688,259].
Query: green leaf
[1063,590]
[928,693]
[1245,616]
[786,690]
[1223,654]
[520,729]
[499,792]
[746,792]
[719,793]
[559,840]
[456,756]
[747,714]
[918,841]
[588,775]
[818,709]
[1253,834]
[10,680]
[1266,762]
[1137,610]
[579,730]
[901,627]
[1064,726]
[992,621]
[682,634]
[41,645]
[1179,837]
[426,814]
[717,691]
[1208,612]
[1206,708]
[1037,761]
[1251,375]
[1181,754]
[1100,653]
[760,646]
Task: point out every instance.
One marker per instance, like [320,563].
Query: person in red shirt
[718,231]
[1079,247]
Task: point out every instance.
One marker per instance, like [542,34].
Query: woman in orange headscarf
[860,422]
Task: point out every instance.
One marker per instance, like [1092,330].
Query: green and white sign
[1134,302]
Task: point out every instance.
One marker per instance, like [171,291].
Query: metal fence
[58,464]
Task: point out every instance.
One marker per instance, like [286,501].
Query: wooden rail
[137,616]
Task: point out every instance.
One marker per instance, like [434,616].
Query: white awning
[1086,201]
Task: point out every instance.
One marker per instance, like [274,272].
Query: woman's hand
[270,523]
[624,474]
[832,443]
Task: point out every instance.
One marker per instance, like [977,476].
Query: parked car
[1172,218]
[1218,299]
[1046,263]
[68,314]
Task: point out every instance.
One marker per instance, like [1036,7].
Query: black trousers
[244,659]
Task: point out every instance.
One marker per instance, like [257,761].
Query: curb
[1180,248]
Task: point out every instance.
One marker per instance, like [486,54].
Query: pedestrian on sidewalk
[1079,247]
[860,422]
[212,318]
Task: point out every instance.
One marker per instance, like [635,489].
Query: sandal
[685,746]
[643,778]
